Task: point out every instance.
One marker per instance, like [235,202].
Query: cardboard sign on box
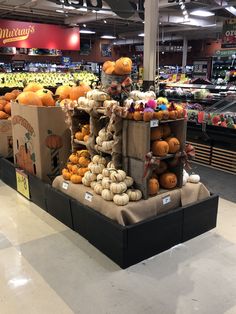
[5,138]
[41,140]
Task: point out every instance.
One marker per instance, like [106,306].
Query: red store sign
[34,35]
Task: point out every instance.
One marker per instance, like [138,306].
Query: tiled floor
[47,268]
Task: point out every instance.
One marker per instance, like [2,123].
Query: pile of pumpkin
[122,66]
[77,166]
[104,141]
[162,142]
[34,94]
[161,177]
[83,133]
[5,103]
[153,109]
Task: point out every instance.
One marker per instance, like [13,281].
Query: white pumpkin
[134,195]
[92,184]
[86,182]
[99,140]
[129,181]
[194,178]
[97,159]
[103,134]
[83,102]
[149,95]
[98,188]
[107,145]
[106,182]
[89,176]
[111,165]
[117,176]
[107,195]
[99,177]
[118,188]
[185,177]
[121,199]
[106,172]
[97,168]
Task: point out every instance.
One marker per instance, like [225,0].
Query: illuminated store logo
[8,35]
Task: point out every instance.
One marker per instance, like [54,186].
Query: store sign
[225,53]
[229,34]
[22,183]
[33,35]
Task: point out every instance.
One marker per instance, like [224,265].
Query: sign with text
[229,34]
[34,35]
[22,183]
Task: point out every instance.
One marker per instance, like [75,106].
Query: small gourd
[129,181]
[168,180]
[194,178]
[90,176]
[105,172]
[118,176]
[66,175]
[97,159]
[160,148]
[107,145]
[92,184]
[153,186]
[107,195]
[86,182]
[97,168]
[84,162]
[106,182]
[174,144]
[99,177]
[98,188]
[118,188]
[121,199]
[134,195]
[111,165]
[99,141]
[76,179]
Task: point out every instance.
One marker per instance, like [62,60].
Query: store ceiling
[105,21]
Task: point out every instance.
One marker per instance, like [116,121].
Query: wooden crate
[79,117]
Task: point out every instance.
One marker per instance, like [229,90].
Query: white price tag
[166,200]
[154,123]
[65,185]
[88,196]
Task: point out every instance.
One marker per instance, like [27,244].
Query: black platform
[125,245]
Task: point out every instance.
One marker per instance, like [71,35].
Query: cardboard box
[6,138]
[41,140]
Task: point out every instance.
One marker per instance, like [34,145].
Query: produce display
[19,80]
[5,103]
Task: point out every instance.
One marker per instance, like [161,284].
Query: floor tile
[4,242]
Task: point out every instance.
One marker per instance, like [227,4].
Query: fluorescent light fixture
[82,9]
[105,21]
[84,25]
[231,9]
[141,35]
[108,37]
[202,13]
[59,11]
[86,31]
[210,25]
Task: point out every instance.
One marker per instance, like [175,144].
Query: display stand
[125,245]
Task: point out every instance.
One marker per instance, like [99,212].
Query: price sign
[22,183]
[154,123]
[65,185]
[166,200]
[88,196]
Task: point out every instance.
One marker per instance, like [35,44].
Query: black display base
[125,245]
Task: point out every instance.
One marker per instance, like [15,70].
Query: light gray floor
[47,268]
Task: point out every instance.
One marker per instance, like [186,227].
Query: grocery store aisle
[47,268]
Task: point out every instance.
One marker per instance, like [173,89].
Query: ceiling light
[210,25]
[108,37]
[202,13]
[105,21]
[84,25]
[94,11]
[86,31]
[141,35]
[60,11]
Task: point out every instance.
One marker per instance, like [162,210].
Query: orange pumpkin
[138,116]
[161,168]
[74,169]
[85,129]
[166,130]
[33,87]
[153,186]
[79,136]
[64,170]
[160,148]
[16,92]
[46,97]
[110,70]
[86,137]
[69,167]
[1,107]
[29,99]
[10,96]
[130,116]
[174,144]
[107,65]
[63,92]
[78,91]
[168,180]
[7,108]
[156,133]
[66,175]
[82,171]
[173,115]
[54,141]
[84,161]
[158,115]
[3,115]
[147,116]
[76,179]
[165,114]
[3,102]
[123,66]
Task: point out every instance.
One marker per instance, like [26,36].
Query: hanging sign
[229,34]
[34,35]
